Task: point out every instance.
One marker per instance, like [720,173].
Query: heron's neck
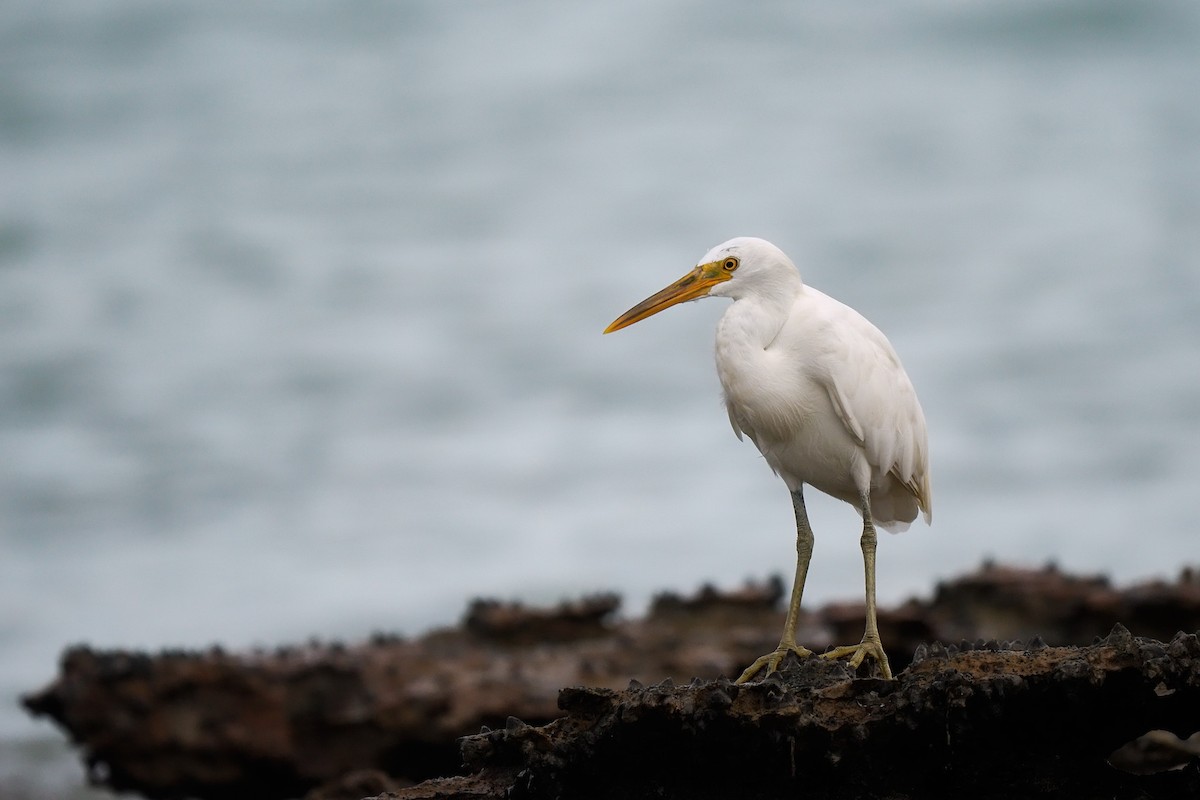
[753,321]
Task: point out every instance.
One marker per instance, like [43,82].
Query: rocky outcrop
[985,721]
[348,721]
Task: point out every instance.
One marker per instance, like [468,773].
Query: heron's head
[735,268]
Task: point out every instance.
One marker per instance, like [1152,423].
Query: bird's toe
[772,660]
[859,653]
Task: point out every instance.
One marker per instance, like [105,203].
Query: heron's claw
[772,660]
[869,646]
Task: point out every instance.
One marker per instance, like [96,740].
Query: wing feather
[876,402]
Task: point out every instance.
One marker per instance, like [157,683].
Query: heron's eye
[730,264]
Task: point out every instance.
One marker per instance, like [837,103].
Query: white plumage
[822,394]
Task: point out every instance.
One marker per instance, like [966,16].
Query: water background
[300,303]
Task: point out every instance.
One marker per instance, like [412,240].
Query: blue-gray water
[300,303]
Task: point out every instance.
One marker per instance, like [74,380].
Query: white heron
[822,394]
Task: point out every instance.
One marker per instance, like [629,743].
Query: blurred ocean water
[300,304]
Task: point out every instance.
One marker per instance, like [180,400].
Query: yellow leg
[787,645]
[870,644]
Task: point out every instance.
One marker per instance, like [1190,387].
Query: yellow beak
[696,284]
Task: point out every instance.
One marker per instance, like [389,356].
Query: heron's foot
[772,660]
[869,646]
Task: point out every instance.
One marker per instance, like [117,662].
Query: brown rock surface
[985,722]
[276,724]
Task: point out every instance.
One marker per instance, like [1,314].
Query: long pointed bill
[694,285]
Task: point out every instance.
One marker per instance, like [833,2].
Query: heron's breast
[770,396]
[791,419]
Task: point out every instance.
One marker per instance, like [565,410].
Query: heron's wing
[877,404]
